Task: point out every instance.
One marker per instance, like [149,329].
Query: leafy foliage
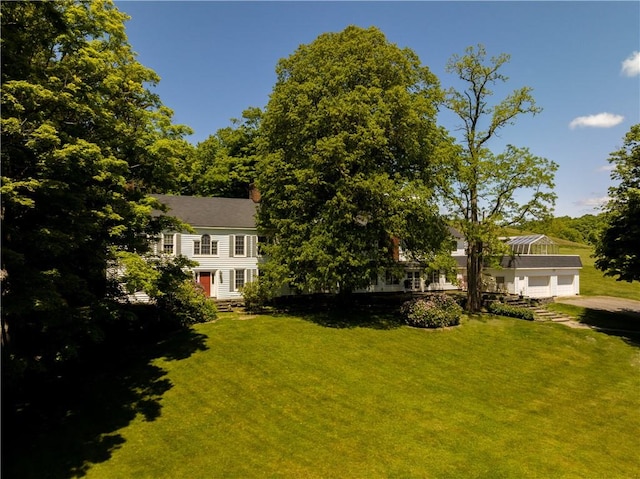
[225,163]
[585,229]
[482,190]
[169,284]
[349,143]
[435,311]
[502,309]
[256,295]
[618,249]
[84,141]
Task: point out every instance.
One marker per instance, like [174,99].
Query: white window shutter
[232,246]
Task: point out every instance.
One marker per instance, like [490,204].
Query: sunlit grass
[594,283]
[286,397]
[625,323]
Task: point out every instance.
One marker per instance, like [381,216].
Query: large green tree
[483,190]
[225,163]
[349,144]
[618,248]
[83,142]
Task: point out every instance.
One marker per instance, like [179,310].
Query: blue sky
[215,59]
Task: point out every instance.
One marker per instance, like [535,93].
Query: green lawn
[626,322]
[287,397]
[593,282]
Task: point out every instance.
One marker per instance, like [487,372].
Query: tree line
[348,155]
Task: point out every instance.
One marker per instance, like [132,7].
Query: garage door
[565,285]
[539,287]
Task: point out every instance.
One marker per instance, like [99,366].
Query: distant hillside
[557,240]
[583,230]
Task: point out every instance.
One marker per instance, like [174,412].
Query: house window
[413,280]
[204,246]
[167,244]
[239,246]
[391,278]
[239,282]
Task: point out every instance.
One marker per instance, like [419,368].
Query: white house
[224,244]
[534,269]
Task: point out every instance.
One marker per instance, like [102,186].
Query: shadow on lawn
[350,311]
[354,318]
[624,324]
[61,430]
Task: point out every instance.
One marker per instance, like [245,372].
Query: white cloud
[606,168]
[631,66]
[601,120]
[593,203]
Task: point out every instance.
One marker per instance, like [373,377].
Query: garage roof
[532,261]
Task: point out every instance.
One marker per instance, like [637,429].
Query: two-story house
[224,244]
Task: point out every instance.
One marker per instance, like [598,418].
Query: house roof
[532,261]
[461,261]
[454,232]
[211,212]
[541,261]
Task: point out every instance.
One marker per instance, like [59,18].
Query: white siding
[461,246]
[567,285]
[225,261]
[538,287]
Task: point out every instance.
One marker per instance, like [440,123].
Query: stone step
[541,313]
[228,305]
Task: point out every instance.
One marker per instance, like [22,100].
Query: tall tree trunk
[474,252]
[474,276]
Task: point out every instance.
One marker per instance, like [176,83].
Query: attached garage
[566,285]
[539,287]
[540,276]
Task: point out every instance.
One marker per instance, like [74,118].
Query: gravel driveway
[606,303]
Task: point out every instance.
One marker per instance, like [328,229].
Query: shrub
[187,304]
[256,295]
[180,300]
[510,311]
[436,311]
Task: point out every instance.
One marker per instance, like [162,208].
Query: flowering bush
[435,311]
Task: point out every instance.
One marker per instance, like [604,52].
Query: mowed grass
[593,282]
[288,397]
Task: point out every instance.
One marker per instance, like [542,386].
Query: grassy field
[621,321]
[288,397]
[593,282]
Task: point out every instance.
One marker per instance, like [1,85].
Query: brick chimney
[254,193]
[395,243]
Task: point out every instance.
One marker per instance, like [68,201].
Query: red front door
[204,278]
